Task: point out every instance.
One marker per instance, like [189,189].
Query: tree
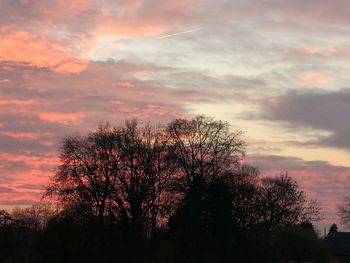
[204,148]
[27,224]
[244,186]
[116,173]
[205,151]
[344,211]
[117,187]
[202,223]
[34,217]
[145,175]
[300,243]
[5,218]
[86,178]
[284,204]
[333,229]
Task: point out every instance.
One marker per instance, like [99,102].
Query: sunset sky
[276,69]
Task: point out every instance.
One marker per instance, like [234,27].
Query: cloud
[34,50]
[40,106]
[24,176]
[314,109]
[314,79]
[67,65]
[49,39]
[62,118]
[6,190]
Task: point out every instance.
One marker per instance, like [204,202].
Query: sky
[276,69]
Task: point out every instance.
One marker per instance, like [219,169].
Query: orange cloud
[16,102]
[328,51]
[61,118]
[147,111]
[4,81]
[20,46]
[124,84]
[159,110]
[35,163]
[312,51]
[26,135]
[314,79]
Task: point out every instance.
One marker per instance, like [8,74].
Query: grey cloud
[314,109]
[6,190]
[12,145]
[281,163]
[17,202]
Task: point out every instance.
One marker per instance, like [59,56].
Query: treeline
[173,193]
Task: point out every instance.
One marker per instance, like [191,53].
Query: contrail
[179,33]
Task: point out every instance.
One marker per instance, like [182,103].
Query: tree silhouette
[34,217]
[344,211]
[332,229]
[300,243]
[244,185]
[144,177]
[116,174]
[5,218]
[284,204]
[86,178]
[171,193]
[204,148]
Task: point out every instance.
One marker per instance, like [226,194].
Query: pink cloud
[61,118]
[127,27]
[15,102]
[17,45]
[314,79]
[124,84]
[311,51]
[26,135]
[325,51]
[28,176]
[148,111]
[43,72]
[4,81]
[34,162]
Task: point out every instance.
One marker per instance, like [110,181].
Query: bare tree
[86,176]
[244,185]
[34,217]
[116,172]
[145,174]
[284,204]
[204,148]
[5,218]
[344,211]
